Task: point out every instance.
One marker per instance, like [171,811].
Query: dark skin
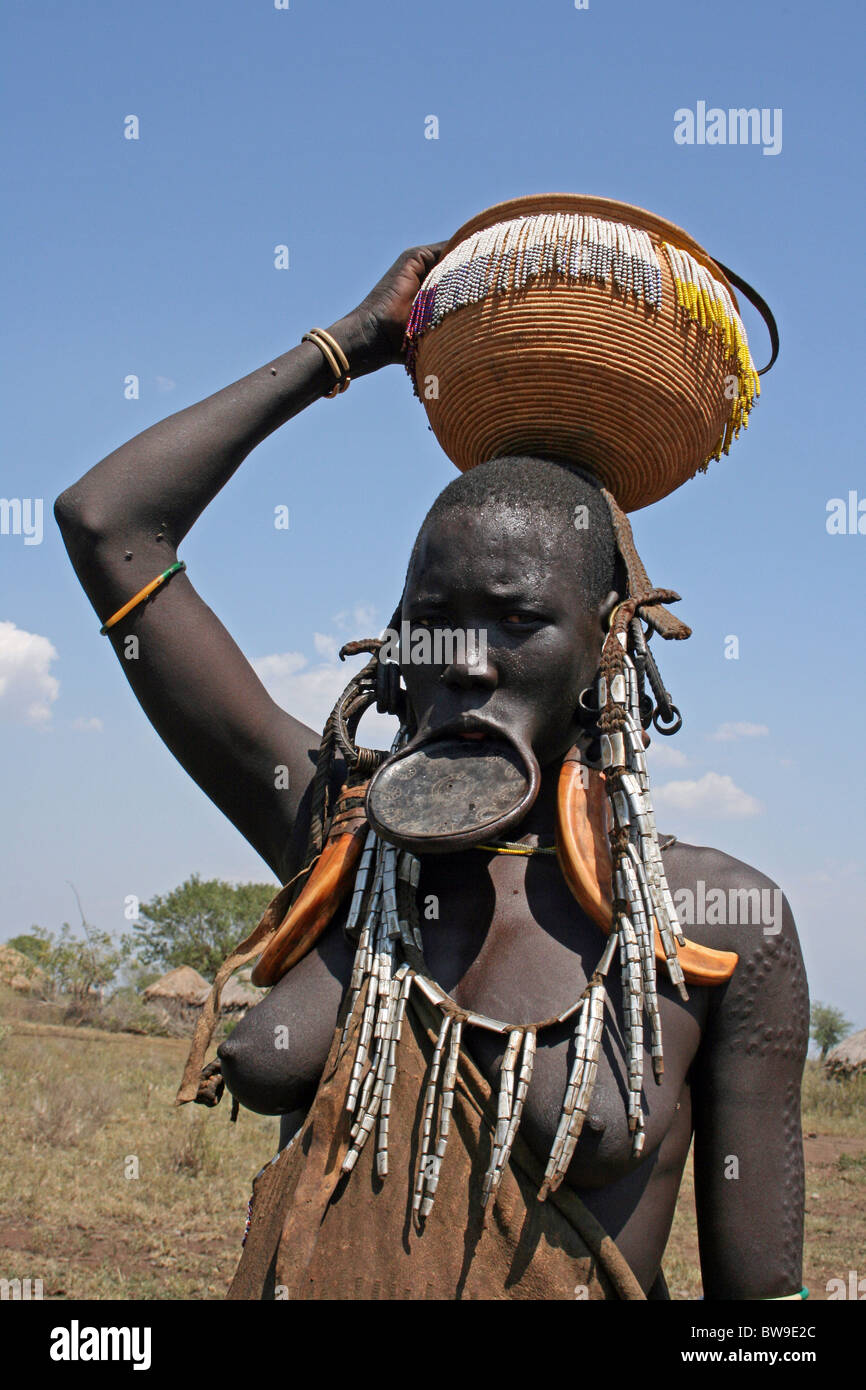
[510,940]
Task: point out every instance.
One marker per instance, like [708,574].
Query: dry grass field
[834,1141]
[79,1105]
[85,1110]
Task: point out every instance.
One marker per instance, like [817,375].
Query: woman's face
[513,579]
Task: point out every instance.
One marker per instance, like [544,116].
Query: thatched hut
[20,973]
[847,1058]
[239,995]
[179,994]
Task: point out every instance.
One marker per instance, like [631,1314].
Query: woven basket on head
[587,330]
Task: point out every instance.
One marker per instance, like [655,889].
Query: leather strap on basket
[763,309]
[658,618]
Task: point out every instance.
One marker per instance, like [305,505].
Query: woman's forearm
[166,476]
[124,519]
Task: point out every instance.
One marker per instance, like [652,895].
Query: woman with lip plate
[501,1042]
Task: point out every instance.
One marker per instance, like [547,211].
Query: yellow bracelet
[333,355]
[142,595]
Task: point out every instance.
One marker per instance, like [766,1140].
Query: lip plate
[444,790]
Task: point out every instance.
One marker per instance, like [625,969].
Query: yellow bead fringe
[708,302]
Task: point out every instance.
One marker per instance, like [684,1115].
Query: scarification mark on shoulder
[792,1180]
[750,1033]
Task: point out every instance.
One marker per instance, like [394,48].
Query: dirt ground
[108,1191]
[835,1228]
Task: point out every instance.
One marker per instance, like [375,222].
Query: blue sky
[306,127]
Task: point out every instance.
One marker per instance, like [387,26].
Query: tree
[829,1026]
[80,968]
[32,944]
[199,923]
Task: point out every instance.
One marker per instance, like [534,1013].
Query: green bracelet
[176,568]
[785,1297]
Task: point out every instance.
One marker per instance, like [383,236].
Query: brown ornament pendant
[583,852]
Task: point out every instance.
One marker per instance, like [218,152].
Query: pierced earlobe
[607,610]
[390,696]
[588,708]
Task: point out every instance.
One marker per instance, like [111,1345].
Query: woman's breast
[518,971]
[604,1150]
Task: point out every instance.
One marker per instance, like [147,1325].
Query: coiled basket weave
[587,330]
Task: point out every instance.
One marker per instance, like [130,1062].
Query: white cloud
[661,754]
[27,688]
[711,795]
[360,620]
[88,726]
[309,692]
[727,733]
[165,383]
[273,670]
[842,870]
[309,689]
[326,645]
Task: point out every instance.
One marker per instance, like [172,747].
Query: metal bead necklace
[389,964]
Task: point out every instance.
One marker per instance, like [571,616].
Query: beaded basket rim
[591,205]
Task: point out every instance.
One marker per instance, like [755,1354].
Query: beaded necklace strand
[389,964]
[515,847]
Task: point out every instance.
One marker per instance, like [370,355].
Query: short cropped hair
[566,497]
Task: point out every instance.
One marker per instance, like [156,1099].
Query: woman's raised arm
[122,523]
